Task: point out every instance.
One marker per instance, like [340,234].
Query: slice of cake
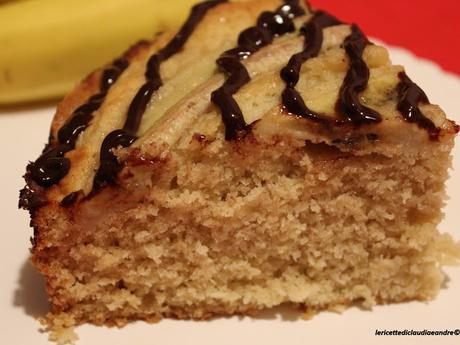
[264,154]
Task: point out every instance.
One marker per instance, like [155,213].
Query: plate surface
[22,295]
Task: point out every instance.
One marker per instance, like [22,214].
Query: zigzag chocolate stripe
[52,166]
[109,166]
[313,32]
[410,96]
[269,25]
[356,80]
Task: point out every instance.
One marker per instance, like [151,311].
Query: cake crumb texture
[231,228]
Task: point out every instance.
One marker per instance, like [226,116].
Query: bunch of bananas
[46,46]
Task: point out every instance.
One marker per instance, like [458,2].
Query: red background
[429,28]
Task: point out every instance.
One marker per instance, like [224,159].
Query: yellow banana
[46,46]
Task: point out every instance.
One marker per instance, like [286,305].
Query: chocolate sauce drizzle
[313,32]
[109,166]
[52,166]
[70,199]
[410,95]
[356,81]
[269,25]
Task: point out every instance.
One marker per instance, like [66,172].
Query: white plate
[23,134]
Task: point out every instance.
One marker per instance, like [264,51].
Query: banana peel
[49,45]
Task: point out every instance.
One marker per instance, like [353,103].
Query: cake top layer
[267,68]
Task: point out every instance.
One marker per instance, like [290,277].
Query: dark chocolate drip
[79,121]
[269,25]
[52,165]
[139,104]
[152,74]
[356,81]
[313,32]
[109,166]
[70,199]
[410,95]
